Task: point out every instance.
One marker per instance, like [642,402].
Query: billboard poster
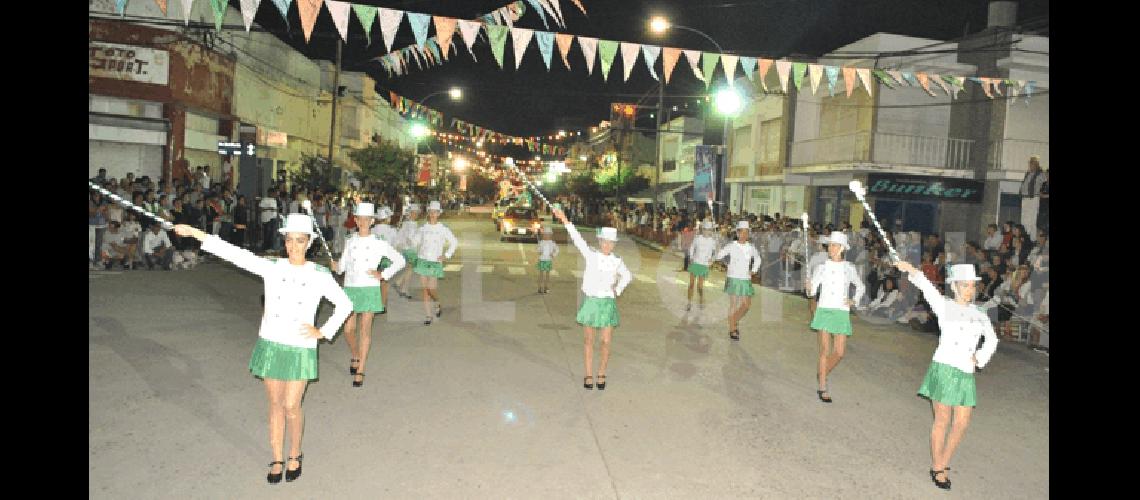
[704,168]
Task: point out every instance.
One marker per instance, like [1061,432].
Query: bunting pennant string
[694,57]
[832,78]
[419,23]
[650,52]
[340,12]
[521,38]
[219,7]
[497,35]
[728,63]
[798,71]
[749,65]
[669,58]
[816,73]
[589,47]
[444,30]
[607,49]
[764,65]
[784,68]
[389,24]
[564,42]
[545,42]
[161,5]
[282,7]
[248,10]
[849,80]
[366,14]
[708,65]
[629,52]
[187,5]
[865,77]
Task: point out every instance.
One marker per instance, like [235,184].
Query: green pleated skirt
[545,265]
[698,270]
[283,362]
[835,321]
[384,263]
[365,298]
[409,257]
[739,287]
[429,268]
[598,312]
[948,385]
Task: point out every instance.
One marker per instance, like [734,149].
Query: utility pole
[660,148]
[335,94]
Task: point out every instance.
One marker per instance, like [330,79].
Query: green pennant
[367,15]
[497,35]
[607,49]
[219,7]
[798,70]
[885,78]
[708,65]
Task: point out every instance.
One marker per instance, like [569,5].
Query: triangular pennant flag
[607,49]
[578,3]
[897,75]
[996,82]
[694,57]
[849,80]
[219,8]
[865,77]
[545,41]
[816,73]
[419,24]
[161,5]
[651,52]
[282,7]
[497,35]
[749,65]
[884,77]
[728,63]
[444,30]
[339,12]
[248,10]
[433,46]
[366,14]
[985,83]
[1029,87]
[629,52]
[538,9]
[784,68]
[764,65]
[187,5]
[938,79]
[669,61]
[469,30]
[1015,87]
[550,10]
[589,47]
[799,69]
[708,65]
[924,81]
[521,38]
[119,6]
[308,9]
[909,77]
[832,78]
[564,40]
[557,10]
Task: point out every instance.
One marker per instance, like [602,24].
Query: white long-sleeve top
[739,255]
[292,294]
[429,240]
[598,280]
[702,249]
[817,259]
[547,250]
[836,278]
[406,235]
[992,242]
[151,241]
[386,233]
[363,254]
[961,326]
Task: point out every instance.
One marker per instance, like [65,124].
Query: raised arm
[933,297]
[575,236]
[238,256]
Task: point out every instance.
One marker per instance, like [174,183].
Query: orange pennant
[308,9]
[669,57]
[849,80]
[764,64]
[925,82]
[444,30]
[161,5]
[564,40]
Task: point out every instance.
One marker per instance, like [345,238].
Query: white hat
[365,209]
[434,205]
[413,207]
[547,230]
[706,225]
[838,238]
[961,272]
[608,233]
[384,213]
[298,223]
[743,225]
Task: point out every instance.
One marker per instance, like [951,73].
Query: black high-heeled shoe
[275,478]
[351,368]
[589,385]
[941,484]
[825,399]
[292,475]
[734,335]
[358,384]
[601,382]
[438,310]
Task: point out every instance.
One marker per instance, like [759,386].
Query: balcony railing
[892,149]
[1013,154]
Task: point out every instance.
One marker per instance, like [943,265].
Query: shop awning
[664,188]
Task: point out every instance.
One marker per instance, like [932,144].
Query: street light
[658,24]
[728,101]
[456,93]
[419,130]
[460,164]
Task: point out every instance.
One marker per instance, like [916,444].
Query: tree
[585,187]
[385,166]
[313,174]
[481,186]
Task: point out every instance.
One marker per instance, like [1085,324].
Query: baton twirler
[114,197]
[861,193]
[308,207]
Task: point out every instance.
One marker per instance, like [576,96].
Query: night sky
[533,101]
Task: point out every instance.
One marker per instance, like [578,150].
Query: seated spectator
[931,270]
[1040,319]
[157,248]
[993,238]
[991,282]
[115,249]
[881,306]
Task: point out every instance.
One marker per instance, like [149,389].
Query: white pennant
[729,63]
[783,69]
[340,12]
[521,38]
[248,10]
[694,57]
[629,52]
[816,72]
[187,5]
[389,24]
[865,77]
[589,47]
[558,9]
[469,30]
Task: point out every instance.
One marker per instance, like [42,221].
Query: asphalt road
[487,402]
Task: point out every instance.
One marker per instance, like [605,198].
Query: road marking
[485,268]
[452,267]
[517,270]
[577,273]
[553,273]
[644,279]
[522,254]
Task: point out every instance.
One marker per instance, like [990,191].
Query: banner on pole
[704,173]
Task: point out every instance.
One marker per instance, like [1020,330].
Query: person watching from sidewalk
[1030,192]
[157,248]
[993,238]
[114,249]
